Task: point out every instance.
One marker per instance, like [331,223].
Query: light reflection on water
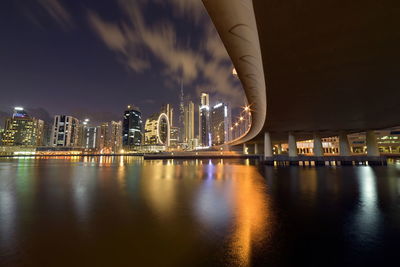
[115,210]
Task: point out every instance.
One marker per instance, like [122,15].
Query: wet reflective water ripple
[124,211]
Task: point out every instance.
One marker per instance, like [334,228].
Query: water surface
[124,211]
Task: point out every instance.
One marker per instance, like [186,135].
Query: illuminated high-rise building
[116,136]
[22,130]
[90,135]
[132,128]
[169,110]
[65,131]
[157,130]
[1,136]
[104,137]
[204,121]
[221,123]
[174,136]
[188,122]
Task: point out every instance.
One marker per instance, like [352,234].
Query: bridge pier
[292,149]
[268,153]
[344,149]
[372,144]
[318,150]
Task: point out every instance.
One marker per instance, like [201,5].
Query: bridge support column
[372,144]
[292,150]
[344,146]
[267,145]
[318,150]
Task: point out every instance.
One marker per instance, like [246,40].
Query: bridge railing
[241,125]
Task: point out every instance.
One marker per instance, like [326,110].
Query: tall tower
[220,123]
[204,120]
[169,110]
[181,113]
[23,130]
[132,128]
[188,122]
[65,132]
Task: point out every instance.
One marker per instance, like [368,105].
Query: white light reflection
[367,219]
[7,217]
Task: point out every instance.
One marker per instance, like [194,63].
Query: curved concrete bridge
[313,69]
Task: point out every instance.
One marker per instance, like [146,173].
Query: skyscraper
[169,110]
[204,120]
[132,128]
[104,136]
[157,130]
[116,136]
[220,123]
[22,130]
[181,114]
[90,137]
[188,122]
[174,136]
[65,131]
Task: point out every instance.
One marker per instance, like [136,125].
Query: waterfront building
[388,141]
[104,137]
[193,144]
[157,130]
[221,123]
[132,128]
[330,146]
[116,136]
[174,136]
[23,130]
[90,137]
[1,135]
[169,110]
[181,115]
[204,120]
[65,131]
[188,122]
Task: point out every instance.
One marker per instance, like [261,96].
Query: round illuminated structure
[157,130]
[163,129]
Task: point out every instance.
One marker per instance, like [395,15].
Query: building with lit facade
[169,110]
[104,137]
[132,127]
[1,136]
[388,141]
[174,136]
[90,137]
[65,132]
[221,123]
[157,130]
[188,122]
[22,130]
[204,121]
[116,136]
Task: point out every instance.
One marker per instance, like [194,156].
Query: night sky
[91,58]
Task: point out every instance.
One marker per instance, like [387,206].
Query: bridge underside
[328,65]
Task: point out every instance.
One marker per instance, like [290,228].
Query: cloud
[58,12]
[36,10]
[138,42]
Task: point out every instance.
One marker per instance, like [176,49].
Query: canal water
[124,211]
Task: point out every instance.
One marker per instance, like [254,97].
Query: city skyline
[70,65]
